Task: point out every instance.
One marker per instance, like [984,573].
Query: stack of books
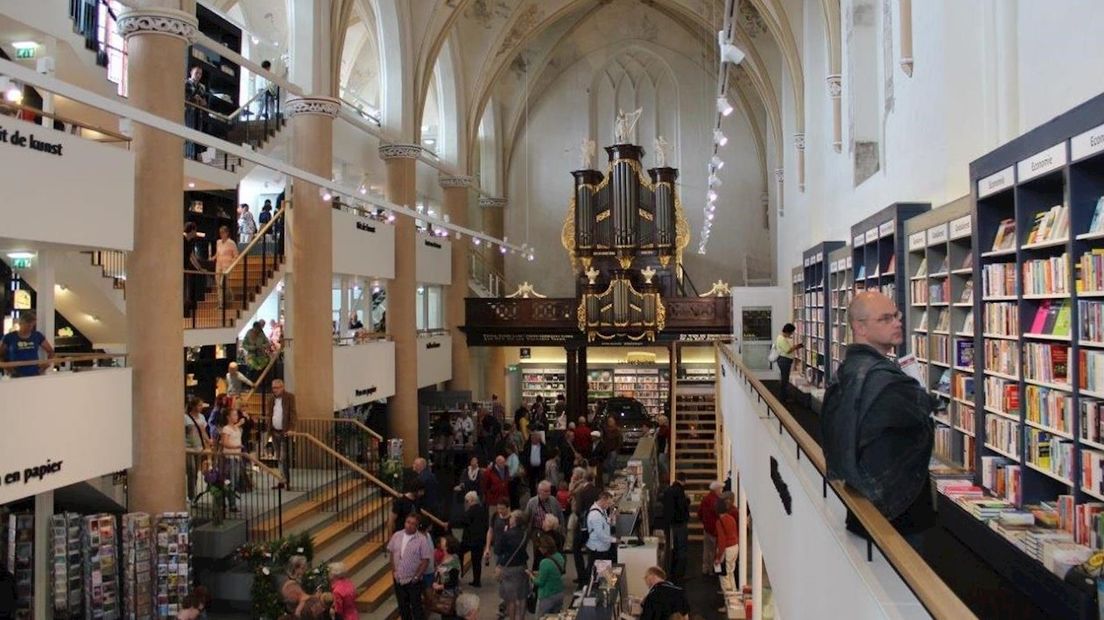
[1050,225]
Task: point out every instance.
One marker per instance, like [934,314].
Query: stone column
[493,224]
[311,236]
[400,160]
[457,190]
[799,144]
[835,90]
[156,41]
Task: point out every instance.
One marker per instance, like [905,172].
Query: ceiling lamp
[714,181]
[711,195]
[729,52]
[723,106]
[719,138]
[717,162]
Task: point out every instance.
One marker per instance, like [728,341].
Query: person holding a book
[785,346]
[876,425]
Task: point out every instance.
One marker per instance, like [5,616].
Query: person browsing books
[876,425]
[786,348]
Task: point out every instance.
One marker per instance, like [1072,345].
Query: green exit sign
[25,52]
[21,263]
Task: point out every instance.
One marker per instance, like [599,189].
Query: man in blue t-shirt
[22,346]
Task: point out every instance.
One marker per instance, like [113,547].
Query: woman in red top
[344,593]
[728,539]
[496,482]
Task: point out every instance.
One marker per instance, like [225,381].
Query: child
[563,496]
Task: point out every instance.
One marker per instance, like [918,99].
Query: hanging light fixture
[719,138]
[723,106]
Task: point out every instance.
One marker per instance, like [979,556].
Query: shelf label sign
[872,234]
[937,234]
[835,266]
[818,257]
[996,182]
[962,227]
[887,228]
[858,240]
[1089,143]
[916,241]
[1042,163]
[848,263]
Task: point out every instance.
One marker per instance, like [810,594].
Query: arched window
[636,78]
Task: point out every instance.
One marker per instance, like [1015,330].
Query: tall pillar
[756,578]
[571,382]
[581,368]
[456,192]
[156,44]
[400,160]
[492,210]
[311,235]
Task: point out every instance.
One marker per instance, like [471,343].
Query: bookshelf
[817,354]
[798,317]
[840,291]
[878,249]
[940,323]
[650,384]
[1037,233]
[542,381]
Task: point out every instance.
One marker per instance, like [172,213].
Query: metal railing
[483,274]
[932,592]
[72,362]
[224,486]
[235,287]
[112,264]
[253,123]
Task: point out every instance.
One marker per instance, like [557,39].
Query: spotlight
[711,207]
[503,250]
[723,106]
[325,193]
[531,257]
[709,216]
[363,190]
[717,162]
[729,52]
[719,138]
[711,195]
[477,240]
[191,184]
[390,217]
[714,181]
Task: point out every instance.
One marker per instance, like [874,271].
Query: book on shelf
[942,268]
[1048,407]
[1092,422]
[1049,225]
[1092,321]
[1003,478]
[1001,319]
[891,266]
[968,261]
[862,271]
[1002,434]
[1002,394]
[968,323]
[1090,271]
[922,270]
[1091,370]
[944,383]
[1092,470]
[963,388]
[1097,224]
[964,353]
[998,280]
[944,322]
[923,321]
[1046,362]
[1046,276]
[1002,356]
[967,296]
[1005,239]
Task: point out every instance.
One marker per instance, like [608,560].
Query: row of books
[1091,369]
[962,387]
[1046,362]
[1046,276]
[1052,318]
[998,280]
[940,292]
[1092,419]
[1001,318]
[962,416]
[1002,356]
[1003,478]
[1048,407]
[1002,395]
[939,350]
[1091,319]
[1002,434]
[1092,471]
[1090,271]
[1050,453]
[1049,225]
[918,291]
[1097,224]
[954,447]
[1005,239]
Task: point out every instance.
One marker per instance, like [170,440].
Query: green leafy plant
[268,560]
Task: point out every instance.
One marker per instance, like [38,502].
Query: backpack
[583,524]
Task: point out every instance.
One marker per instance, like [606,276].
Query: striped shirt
[405,561]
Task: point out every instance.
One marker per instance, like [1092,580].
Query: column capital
[835,85]
[456,181]
[317,105]
[491,202]
[400,151]
[169,22]
[779,175]
[799,141]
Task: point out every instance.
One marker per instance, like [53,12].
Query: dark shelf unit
[878,252]
[816,324]
[221,75]
[839,283]
[797,297]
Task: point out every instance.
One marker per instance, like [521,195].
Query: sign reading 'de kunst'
[89,185]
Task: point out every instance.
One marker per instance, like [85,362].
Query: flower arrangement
[220,489]
[267,560]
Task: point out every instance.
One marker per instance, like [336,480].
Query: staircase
[245,283]
[483,279]
[696,442]
[112,264]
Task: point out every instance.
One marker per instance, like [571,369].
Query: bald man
[876,423]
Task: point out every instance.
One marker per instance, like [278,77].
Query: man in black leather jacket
[876,424]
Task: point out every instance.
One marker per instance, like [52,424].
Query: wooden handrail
[936,596]
[359,470]
[63,359]
[219,115]
[57,117]
[236,113]
[245,455]
[259,236]
[361,426]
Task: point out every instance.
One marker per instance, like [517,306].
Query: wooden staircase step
[304,507]
[374,595]
[361,555]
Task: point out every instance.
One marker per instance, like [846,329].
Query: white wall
[434,359]
[434,260]
[359,368]
[89,187]
[363,246]
[810,556]
[540,185]
[81,421]
[984,73]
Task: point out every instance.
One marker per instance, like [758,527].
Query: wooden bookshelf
[816,334]
[940,325]
[878,253]
[797,280]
